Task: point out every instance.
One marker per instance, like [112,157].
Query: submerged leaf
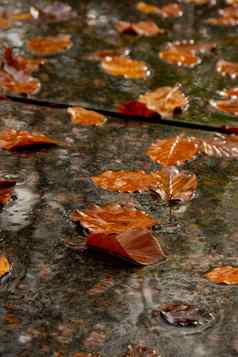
[223,275]
[226,68]
[136,245]
[143,28]
[47,46]
[5,266]
[125,66]
[112,218]
[173,151]
[83,116]
[141,351]
[183,315]
[125,181]
[166,101]
[226,105]
[13,140]
[135,108]
[56,10]
[174,185]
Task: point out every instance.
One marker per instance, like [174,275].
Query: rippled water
[52,305]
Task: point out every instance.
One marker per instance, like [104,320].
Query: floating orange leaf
[99,55]
[173,151]
[220,146]
[227,68]
[47,46]
[201,2]
[223,275]
[126,67]
[223,21]
[13,140]
[125,181]
[83,116]
[136,245]
[19,82]
[229,92]
[20,63]
[166,101]
[226,105]
[112,218]
[144,28]
[148,8]
[191,46]
[179,57]
[6,190]
[141,351]
[170,10]
[174,185]
[5,266]
[135,108]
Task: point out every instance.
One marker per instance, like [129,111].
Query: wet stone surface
[59,302]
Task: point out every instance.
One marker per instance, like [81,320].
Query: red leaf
[20,63]
[143,28]
[138,246]
[135,108]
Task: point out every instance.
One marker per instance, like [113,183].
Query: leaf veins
[166,101]
[112,218]
[173,151]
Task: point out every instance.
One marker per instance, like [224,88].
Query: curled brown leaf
[166,101]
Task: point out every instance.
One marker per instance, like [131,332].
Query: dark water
[52,305]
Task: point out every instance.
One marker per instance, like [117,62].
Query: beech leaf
[229,92]
[143,28]
[125,66]
[223,275]
[220,146]
[169,10]
[179,57]
[173,151]
[182,315]
[112,218]
[229,106]
[14,140]
[83,116]
[47,46]
[226,68]
[174,185]
[5,266]
[18,82]
[125,181]
[135,108]
[20,63]
[167,101]
[136,245]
